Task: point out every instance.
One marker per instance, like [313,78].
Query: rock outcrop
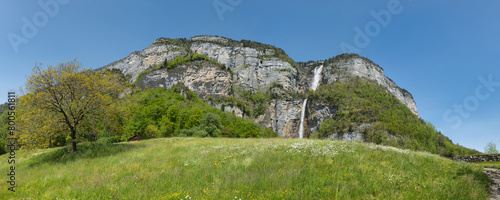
[285,117]
[250,67]
[251,71]
[202,78]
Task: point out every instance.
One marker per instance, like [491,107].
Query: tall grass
[494,165]
[209,168]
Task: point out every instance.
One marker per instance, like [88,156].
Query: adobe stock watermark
[472,102]
[11,139]
[372,29]
[222,7]
[30,27]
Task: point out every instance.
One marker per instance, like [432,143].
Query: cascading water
[314,85]
[301,126]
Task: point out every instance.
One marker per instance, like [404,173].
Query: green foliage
[3,130]
[257,102]
[151,132]
[175,115]
[63,99]
[108,140]
[211,124]
[3,145]
[268,133]
[491,148]
[228,132]
[360,102]
[3,107]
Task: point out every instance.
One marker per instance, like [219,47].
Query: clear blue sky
[434,49]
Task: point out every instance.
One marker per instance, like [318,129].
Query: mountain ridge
[250,66]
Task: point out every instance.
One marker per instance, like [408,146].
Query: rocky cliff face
[251,71]
[250,67]
[202,78]
[285,117]
[138,61]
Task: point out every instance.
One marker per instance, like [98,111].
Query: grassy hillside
[222,168]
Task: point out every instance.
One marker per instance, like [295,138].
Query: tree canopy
[491,148]
[67,96]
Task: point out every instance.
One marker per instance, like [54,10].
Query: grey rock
[285,117]
[201,78]
[252,70]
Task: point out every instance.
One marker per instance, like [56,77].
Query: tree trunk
[73,141]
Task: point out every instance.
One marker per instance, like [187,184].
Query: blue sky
[437,50]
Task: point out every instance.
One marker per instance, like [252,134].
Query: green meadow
[222,168]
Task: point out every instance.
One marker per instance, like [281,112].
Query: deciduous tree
[71,94]
[491,148]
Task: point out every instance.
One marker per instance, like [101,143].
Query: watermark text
[471,103]
[11,140]
[30,27]
[222,6]
[372,29]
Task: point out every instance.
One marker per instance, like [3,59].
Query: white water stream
[314,85]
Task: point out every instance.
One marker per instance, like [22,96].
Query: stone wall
[478,158]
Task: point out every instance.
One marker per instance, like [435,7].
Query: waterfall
[314,86]
[302,114]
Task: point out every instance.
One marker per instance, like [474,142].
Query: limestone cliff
[250,68]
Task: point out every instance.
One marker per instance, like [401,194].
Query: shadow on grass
[86,150]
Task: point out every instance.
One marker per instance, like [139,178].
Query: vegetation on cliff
[172,64]
[359,101]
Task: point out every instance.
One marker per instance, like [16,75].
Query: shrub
[227,132]
[268,133]
[151,131]
[211,124]
[108,140]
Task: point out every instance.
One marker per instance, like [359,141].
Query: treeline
[179,112]
[359,102]
[150,113]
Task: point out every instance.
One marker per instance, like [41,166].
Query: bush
[108,140]
[227,132]
[3,150]
[211,124]
[196,131]
[68,140]
[268,133]
[151,132]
